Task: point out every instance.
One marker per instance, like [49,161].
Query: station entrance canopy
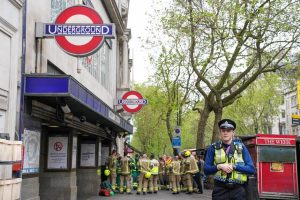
[82,102]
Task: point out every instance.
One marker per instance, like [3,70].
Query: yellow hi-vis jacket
[222,158]
[154,165]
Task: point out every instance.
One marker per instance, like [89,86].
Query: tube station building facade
[63,107]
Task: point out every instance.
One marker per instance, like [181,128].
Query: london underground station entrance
[73,145]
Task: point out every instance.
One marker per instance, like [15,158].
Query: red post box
[276,163]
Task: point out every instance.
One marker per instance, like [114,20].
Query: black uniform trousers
[226,191]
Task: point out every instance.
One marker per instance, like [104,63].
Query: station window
[87,3]
[2,121]
[283,113]
[98,65]
[58,5]
[294,101]
[276,154]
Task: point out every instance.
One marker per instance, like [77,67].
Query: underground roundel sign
[79,30]
[132,101]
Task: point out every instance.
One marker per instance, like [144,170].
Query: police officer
[229,161]
[198,176]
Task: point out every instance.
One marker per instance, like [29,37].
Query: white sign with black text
[87,157]
[58,153]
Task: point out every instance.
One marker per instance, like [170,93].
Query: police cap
[227,124]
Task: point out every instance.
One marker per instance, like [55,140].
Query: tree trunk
[218,116]
[169,129]
[201,126]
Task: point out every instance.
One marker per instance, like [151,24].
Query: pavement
[161,195]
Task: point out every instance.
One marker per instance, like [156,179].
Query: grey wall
[88,183]
[58,186]
[30,189]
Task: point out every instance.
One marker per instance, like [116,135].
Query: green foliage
[256,109]
[151,135]
[227,45]
[290,74]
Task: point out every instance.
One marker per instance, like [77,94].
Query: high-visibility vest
[133,165]
[154,166]
[237,158]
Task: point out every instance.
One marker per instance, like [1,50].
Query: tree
[151,135]
[173,77]
[230,44]
[254,112]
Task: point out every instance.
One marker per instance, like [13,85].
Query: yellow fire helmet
[106,172]
[148,175]
[187,153]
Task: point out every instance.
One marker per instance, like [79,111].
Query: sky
[138,22]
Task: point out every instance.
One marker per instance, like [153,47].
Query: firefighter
[229,161]
[144,168]
[182,175]
[111,165]
[190,168]
[168,161]
[161,173]
[154,166]
[134,171]
[119,172]
[125,174]
[175,175]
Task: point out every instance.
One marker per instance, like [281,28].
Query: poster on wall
[105,154]
[57,153]
[88,155]
[31,141]
[74,153]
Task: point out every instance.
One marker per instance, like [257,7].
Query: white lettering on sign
[77,29]
[132,101]
[277,141]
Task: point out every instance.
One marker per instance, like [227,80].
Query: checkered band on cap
[226,124]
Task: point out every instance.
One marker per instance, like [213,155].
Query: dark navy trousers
[222,192]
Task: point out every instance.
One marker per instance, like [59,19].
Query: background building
[283,122]
[10,62]
[291,107]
